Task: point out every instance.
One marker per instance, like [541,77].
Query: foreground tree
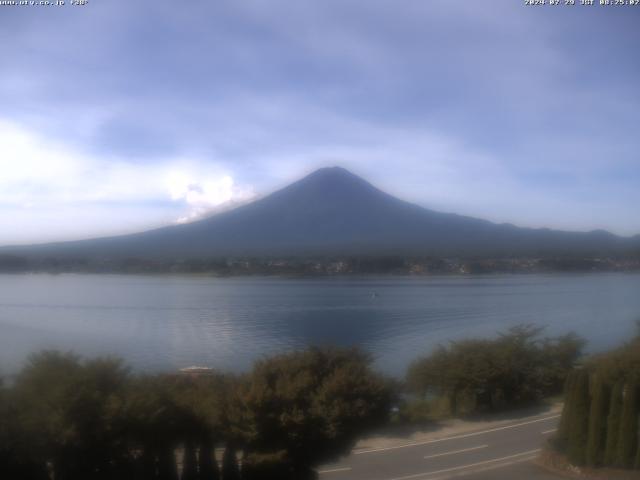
[68,411]
[598,422]
[614,394]
[202,401]
[517,368]
[18,456]
[579,419]
[613,423]
[306,408]
[628,433]
[562,436]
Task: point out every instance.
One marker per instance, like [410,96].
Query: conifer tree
[597,422]
[578,420]
[628,436]
[613,423]
[563,428]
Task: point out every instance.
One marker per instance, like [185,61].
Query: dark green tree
[155,424]
[70,410]
[613,423]
[562,436]
[559,356]
[517,368]
[598,422]
[579,419]
[18,458]
[628,431]
[312,405]
[201,403]
[206,398]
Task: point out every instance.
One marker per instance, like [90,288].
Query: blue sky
[119,116]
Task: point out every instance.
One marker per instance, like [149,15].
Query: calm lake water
[170,322]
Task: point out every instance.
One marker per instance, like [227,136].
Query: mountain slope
[332,211]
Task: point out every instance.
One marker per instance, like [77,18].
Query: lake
[168,322]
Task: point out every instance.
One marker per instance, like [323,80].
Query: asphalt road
[503,452]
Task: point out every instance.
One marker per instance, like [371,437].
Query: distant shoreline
[324,267]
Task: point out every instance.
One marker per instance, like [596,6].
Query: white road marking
[456,437]
[456,451]
[486,468]
[470,465]
[544,432]
[333,470]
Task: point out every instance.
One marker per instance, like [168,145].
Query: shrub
[265,466]
[312,405]
[517,368]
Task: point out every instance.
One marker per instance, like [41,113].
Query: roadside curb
[558,464]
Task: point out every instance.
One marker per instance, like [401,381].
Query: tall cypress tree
[613,423]
[628,437]
[563,428]
[579,419]
[598,421]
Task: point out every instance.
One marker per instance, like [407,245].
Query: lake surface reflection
[170,322]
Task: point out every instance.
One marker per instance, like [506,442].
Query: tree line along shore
[66,418]
[322,266]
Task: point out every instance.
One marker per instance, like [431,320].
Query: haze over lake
[168,322]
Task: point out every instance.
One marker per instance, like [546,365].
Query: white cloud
[204,197]
[42,180]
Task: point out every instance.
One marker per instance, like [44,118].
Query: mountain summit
[334,212]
